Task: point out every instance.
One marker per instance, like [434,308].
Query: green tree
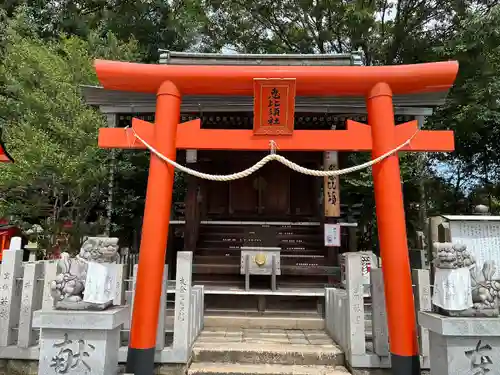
[473,107]
[388,32]
[175,24]
[59,172]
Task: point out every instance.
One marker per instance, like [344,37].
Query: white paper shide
[452,289]
[100,285]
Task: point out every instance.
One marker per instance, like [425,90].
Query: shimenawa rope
[272,156]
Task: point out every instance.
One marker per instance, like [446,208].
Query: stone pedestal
[80,342]
[461,345]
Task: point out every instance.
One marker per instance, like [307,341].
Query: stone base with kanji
[462,345]
[80,342]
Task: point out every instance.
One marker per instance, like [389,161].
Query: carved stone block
[80,342]
[462,345]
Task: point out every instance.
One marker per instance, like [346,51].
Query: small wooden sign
[274,106]
[331,185]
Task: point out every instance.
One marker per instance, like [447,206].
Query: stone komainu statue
[484,289]
[68,287]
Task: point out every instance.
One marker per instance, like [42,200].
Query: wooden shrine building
[275,208]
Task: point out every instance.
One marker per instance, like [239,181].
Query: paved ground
[294,337]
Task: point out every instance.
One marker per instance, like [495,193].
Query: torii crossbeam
[376,84]
[357,137]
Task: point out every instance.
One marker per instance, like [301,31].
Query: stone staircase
[286,349]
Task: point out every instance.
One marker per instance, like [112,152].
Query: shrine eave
[471,217]
[238,80]
[291,59]
[132,102]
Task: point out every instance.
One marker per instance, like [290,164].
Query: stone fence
[24,288]
[358,322]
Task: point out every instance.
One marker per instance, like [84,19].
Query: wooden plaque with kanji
[274,106]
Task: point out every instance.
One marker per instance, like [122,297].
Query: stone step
[210,368]
[268,313]
[265,322]
[262,352]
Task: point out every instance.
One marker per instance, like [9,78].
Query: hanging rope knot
[274,146]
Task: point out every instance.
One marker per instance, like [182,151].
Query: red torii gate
[377,84]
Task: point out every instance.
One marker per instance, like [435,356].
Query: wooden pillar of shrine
[192,211]
[331,204]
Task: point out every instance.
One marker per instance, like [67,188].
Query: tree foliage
[60,174]
[388,32]
[473,108]
[155,24]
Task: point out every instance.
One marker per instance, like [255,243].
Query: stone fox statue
[68,287]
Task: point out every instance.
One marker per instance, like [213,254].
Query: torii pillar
[376,84]
[140,359]
[392,235]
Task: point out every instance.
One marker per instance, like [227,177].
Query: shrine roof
[195,58]
[209,89]
[126,101]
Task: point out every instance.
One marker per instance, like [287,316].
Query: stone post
[422,295]
[49,274]
[379,316]
[120,285]
[182,322]
[160,331]
[10,291]
[31,300]
[355,298]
